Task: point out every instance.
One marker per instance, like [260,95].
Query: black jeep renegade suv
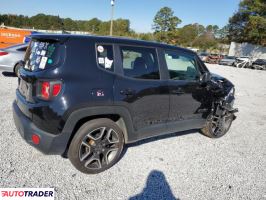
[84,97]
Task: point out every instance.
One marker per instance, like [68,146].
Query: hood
[216,77]
[227,85]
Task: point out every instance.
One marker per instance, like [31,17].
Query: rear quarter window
[105,56]
[43,55]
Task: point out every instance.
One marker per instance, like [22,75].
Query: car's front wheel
[217,126]
[96,146]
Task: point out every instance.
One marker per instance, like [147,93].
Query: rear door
[142,90]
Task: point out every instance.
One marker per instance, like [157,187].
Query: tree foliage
[248,24]
[165,28]
[165,20]
[50,22]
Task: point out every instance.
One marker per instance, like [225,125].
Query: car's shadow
[9,74]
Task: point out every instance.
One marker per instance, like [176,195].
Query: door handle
[178,91]
[127,92]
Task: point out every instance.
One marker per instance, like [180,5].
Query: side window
[140,62]
[181,67]
[105,57]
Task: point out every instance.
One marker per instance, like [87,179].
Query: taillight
[49,89]
[45,90]
[56,89]
[3,53]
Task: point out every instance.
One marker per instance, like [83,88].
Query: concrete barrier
[246,49]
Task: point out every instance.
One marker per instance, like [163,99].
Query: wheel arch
[118,114]
[14,66]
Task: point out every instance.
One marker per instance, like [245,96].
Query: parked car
[84,97]
[227,60]
[213,58]
[203,56]
[243,62]
[259,64]
[11,56]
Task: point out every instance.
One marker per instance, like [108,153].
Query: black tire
[209,131]
[16,69]
[91,150]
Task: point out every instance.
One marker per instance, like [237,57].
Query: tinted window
[42,55]
[181,67]
[140,62]
[105,56]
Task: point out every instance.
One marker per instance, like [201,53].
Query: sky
[139,12]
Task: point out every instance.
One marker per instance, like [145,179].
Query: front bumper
[49,143]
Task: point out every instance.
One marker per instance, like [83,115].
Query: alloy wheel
[99,148]
[220,124]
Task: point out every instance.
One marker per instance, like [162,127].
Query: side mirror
[205,78]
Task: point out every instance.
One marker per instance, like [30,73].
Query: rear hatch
[42,55]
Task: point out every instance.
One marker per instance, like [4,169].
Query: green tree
[213,30]
[248,24]
[165,20]
[146,36]
[93,25]
[42,21]
[187,34]
[70,25]
[205,42]
[222,34]
[121,27]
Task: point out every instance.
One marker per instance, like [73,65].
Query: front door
[186,94]
[141,90]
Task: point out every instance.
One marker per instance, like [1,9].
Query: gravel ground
[187,166]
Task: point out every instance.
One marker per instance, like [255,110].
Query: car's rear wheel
[217,126]
[97,146]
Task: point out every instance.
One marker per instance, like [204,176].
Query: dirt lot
[187,166]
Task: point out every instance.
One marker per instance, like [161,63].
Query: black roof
[109,39]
